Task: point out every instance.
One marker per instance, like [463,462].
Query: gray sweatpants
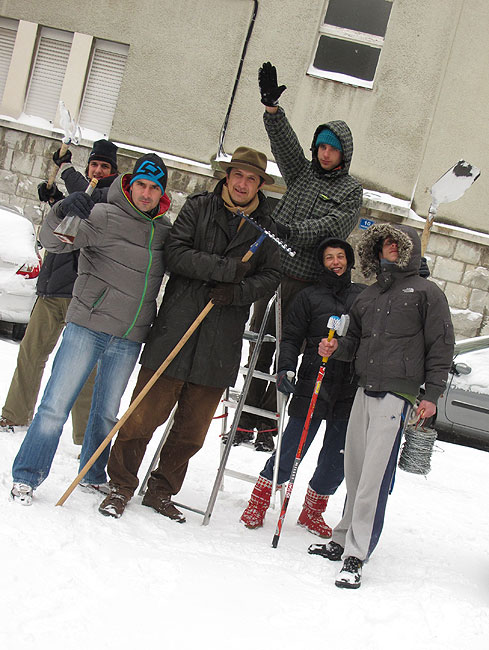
[372,446]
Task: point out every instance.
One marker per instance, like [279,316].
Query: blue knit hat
[152,168]
[328,137]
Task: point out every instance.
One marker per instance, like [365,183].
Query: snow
[72,578]
[17,240]
[478,361]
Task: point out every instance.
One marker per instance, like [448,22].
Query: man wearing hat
[120,269]
[322,200]
[203,254]
[54,289]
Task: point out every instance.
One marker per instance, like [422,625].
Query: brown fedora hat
[250,160]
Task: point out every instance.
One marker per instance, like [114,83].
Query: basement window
[350,41]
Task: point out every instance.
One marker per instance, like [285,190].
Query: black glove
[269,89]
[222,294]
[242,269]
[79,204]
[424,270]
[284,384]
[53,195]
[283,231]
[66,158]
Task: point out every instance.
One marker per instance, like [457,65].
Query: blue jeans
[80,351]
[329,472]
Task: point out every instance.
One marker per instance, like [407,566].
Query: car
[20,264]
[463,410]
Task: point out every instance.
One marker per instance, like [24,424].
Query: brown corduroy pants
[196,407]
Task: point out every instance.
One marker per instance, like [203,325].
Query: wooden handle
[55,168]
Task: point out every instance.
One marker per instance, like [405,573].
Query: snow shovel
[450,187]
[253,248]
[71,135]
[340,326]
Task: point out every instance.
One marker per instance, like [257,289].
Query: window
[350,41]
[48,72]
[8,32]
[103,84]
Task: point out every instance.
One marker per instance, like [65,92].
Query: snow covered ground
[74,579]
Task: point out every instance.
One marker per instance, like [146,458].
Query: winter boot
[114,504]
[350,576]
[21,493]
[310,517]
[331,551]
[254,515]
[164,506]
[264,439]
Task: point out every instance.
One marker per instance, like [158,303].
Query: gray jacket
[400,333]
[121,264]
[317,203]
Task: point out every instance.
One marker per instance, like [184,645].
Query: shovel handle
[55,168]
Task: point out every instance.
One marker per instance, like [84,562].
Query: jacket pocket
[449,334]
[403,317]
[98,301]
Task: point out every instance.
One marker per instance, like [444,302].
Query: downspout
[224,127]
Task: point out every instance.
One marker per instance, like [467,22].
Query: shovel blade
[454,183]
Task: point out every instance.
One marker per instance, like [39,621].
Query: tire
[18,331]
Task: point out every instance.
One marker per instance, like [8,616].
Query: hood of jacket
[344,135]
[409,247]
[120,195]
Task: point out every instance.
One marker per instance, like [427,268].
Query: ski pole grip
[55,169]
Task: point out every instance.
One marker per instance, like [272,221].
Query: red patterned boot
[310,517]
[254,514]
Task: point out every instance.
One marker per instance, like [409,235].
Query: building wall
[459,264]
[425,111]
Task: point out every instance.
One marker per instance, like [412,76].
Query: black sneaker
[264,441]
[331,551]
[241,435]
[350,576]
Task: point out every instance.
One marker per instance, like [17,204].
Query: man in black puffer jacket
[332,295]
[54,289]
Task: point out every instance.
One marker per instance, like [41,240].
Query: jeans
[80,351]
[329,472]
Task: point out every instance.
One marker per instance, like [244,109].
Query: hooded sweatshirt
[317,203]
[400,333]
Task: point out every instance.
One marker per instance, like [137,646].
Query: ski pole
[151,382]
[335,324]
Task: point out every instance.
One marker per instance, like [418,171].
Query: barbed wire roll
[417,450]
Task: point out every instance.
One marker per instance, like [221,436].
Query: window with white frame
[103,84]
[48,72]
[350,41]
[8,32]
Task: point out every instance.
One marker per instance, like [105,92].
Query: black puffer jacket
[59,272]
[200,252]
[307,321]
[401,333]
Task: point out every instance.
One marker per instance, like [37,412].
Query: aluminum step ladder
[237,400]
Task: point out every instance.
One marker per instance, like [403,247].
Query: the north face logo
[408,290]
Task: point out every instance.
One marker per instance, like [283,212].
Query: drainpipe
[224,127]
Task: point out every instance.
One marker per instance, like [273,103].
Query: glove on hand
[269,89]
[66,158]
[424,269]
[242,269]
[51,195]
[222,294]
[284,384]
[283,231]
[79,204]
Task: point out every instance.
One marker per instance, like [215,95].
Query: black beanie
[152,168]
[104,150]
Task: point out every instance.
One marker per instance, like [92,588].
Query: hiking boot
[331,551]
[241,435]
[164,506]
[254,515]
[350,576]
[22,493]
[264,440]
[310,517]
[10,427]
[114,504]
[95,488]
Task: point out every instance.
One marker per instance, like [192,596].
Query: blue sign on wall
[365,223]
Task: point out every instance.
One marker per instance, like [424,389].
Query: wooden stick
[55,169]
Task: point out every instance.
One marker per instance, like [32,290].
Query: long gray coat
[120,267]
[200,252]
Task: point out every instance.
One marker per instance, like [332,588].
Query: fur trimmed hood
[409,246]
